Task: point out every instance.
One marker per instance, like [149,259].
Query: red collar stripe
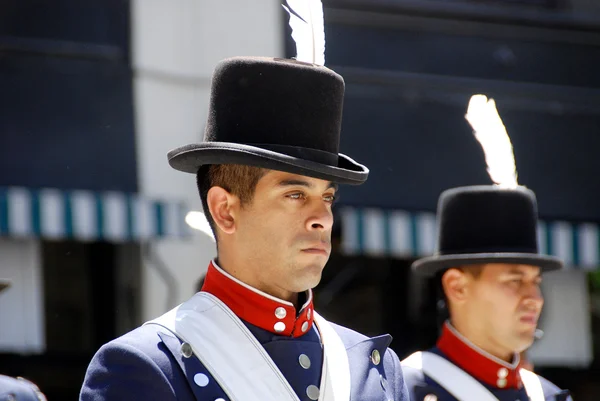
[478,363]
[258,308]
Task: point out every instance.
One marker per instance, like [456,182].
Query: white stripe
[84,215]
[588,246]
[52,213]
[171,219]
[115,216]
[541,237]
[426,233]
[349,217]
[184,229]
[374,232]
[142,218]
[562,243]
[400,233]
[19,209]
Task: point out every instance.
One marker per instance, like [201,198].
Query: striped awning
[89,216]
[401,234]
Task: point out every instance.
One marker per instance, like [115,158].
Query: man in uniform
[18,389]
[489,271]
[267,173]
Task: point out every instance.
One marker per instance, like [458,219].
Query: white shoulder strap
[532,385]
[452,378]
[335,377]
[236,359]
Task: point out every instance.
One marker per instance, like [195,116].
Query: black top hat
[486,224]
[277,114]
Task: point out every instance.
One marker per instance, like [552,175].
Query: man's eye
[296,196]
[329,198]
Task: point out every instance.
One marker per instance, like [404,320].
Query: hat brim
[431,265]
[189,158]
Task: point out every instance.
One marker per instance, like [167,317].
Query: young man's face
[505,303]
[286,230]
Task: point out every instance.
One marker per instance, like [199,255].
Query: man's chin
[526,340]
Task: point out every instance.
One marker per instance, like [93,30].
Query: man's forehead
[282,178]
[512,268]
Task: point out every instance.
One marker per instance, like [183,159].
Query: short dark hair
[237,179]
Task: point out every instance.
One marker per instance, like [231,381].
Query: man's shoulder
[366,353]
[138,363]
[348,336]
[143,338]
[19,389]
[352,338]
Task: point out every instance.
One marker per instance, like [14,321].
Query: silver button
[220,399]
[304,327]
[502,373]
[186,350]
[279,327]
[304,361]
[430,397]
[201,379]
[312,392]
[501,383]
[308,313]
[280,312]
[375,357]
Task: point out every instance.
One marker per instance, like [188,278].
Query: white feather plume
[308,29]
[491,134]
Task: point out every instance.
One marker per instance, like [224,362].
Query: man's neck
[246,275]
[482,341]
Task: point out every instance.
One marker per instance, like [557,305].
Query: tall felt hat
[486,224]
[278,114]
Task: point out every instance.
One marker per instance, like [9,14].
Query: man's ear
[456,285]
[222,206]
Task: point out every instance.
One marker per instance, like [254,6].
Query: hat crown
[276,114]
[487,219]
[264,101]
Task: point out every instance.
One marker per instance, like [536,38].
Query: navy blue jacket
[148,364]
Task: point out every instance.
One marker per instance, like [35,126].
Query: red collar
[478,363]
[258,308]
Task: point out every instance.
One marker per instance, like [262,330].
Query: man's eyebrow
[295,182]
[514,272]
[302,183]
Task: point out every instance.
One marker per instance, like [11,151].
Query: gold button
[375,357]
